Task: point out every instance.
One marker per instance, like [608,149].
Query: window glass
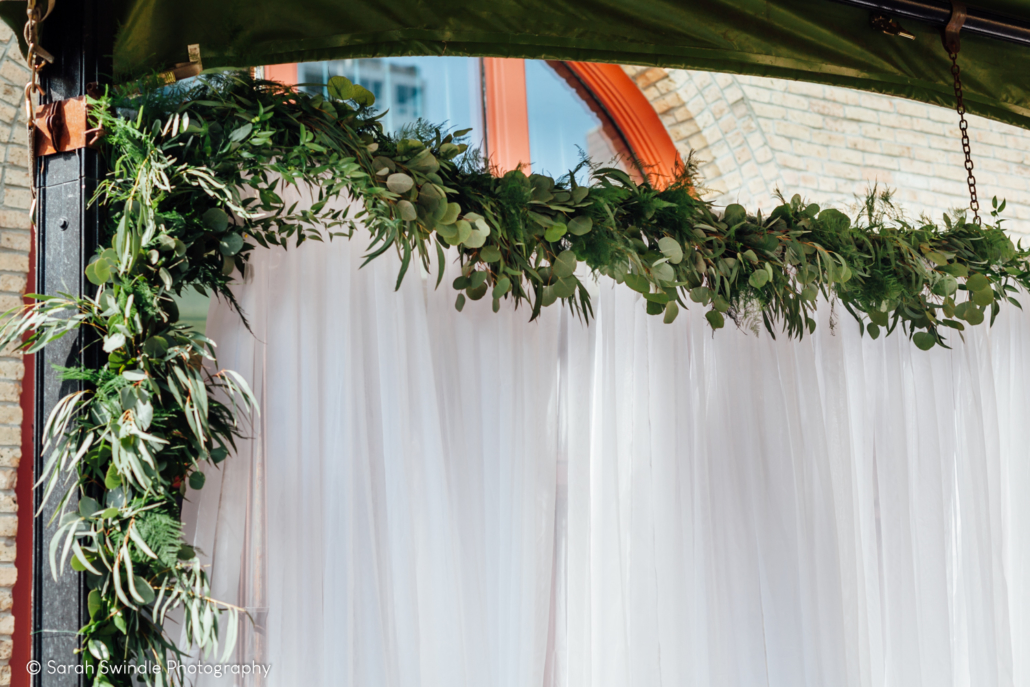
[439,90]
[562,126]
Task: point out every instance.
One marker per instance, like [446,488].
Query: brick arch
[709,115]
[630,113]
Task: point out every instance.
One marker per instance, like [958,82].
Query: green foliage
[201,176]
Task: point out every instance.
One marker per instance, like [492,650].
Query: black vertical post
[80,36]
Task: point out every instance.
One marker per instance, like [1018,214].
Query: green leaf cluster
[200,176]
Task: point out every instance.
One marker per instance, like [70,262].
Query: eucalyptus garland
[197,182]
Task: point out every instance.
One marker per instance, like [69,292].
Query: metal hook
[950,36]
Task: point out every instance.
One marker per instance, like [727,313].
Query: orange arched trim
[283,73]
[634,116]
[507,114]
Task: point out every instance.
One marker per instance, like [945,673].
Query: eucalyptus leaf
[581,225]
[671,311]
[700,294]
[144,589]
[638,283]
[230,244]
[671,249]
[407,211]
[548,296]
[565,264]
[565,287]
[977,282]
[983,296]
[399,182]
[664,272]
[555,232]
[451,214]
[715,319]
[758,279]
[102,272]
[463,230]
[502,287]
[215,219]
[91,274]
[449,233]
[476,238]
[924,340]
[88,506]
[155,346]
[197,480]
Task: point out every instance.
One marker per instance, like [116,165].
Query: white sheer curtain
[443,499]
[834,511]
[391,523]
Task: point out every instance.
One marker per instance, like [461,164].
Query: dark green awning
[809,40]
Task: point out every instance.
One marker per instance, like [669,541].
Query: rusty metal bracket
[63,126]
[949,36]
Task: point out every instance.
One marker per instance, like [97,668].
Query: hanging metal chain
[37,58]
[963,126]
[950,39]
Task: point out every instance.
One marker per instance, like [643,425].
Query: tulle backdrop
[444,499]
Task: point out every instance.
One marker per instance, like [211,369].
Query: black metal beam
[937,12]
[80,36]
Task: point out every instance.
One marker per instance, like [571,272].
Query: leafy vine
[196,183]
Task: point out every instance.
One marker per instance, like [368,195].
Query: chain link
[963,126]
[31,33]
[37,57]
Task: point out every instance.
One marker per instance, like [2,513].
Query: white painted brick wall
[831,144]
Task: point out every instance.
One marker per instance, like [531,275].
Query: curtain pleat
[434,498]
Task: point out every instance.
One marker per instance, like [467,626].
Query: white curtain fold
[392,519]
[835,510]
[433,498]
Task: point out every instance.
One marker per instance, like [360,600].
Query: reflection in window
[565,123]
[439,90]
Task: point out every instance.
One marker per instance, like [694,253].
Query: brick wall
[14,264]
[830,144]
